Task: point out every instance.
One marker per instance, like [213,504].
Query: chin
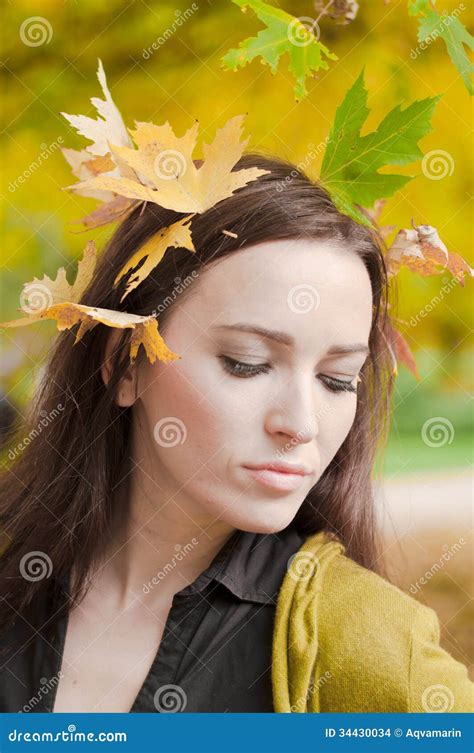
[271,517]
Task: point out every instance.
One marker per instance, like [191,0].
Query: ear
[126,389]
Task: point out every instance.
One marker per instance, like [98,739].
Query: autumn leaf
[95,159]
[351,162]
[283,34]
[58,300]
[402,353]
[422,250]
[108,128]
[116,209]
[166,172]
[176,235]
[451,30]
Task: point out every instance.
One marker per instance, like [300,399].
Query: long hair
[57,496]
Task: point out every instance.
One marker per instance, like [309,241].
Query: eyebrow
[286,339]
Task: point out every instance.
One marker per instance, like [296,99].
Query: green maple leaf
[455,36]
[284,34]
[451,30]
[415,7]
[350,165]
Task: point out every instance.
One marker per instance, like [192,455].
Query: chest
[106,659]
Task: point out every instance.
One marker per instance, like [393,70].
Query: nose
[293,411]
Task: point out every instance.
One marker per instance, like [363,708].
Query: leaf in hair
[161,169]
[58,300]
[177,235]
[423,252]
[351,162]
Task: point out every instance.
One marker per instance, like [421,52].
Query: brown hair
[57,496]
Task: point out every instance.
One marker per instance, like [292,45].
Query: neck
[158,548]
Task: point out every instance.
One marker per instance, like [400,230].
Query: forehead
[304,287]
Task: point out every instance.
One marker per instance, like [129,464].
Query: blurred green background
[184,80]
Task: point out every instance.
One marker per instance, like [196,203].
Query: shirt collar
[251,565]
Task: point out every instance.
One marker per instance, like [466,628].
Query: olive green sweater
[347,640]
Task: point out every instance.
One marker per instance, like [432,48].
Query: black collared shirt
[215,653]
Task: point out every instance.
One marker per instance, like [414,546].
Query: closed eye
[247,370]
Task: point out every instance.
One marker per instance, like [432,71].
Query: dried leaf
[422,250]
[403,353]
[177,235]
[109,128]
[117,208]
[59,301]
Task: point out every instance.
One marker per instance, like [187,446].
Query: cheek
[336,425]
[183,412]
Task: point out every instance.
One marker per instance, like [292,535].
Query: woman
[166,503]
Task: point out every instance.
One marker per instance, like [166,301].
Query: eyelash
[246,371]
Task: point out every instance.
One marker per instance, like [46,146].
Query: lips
[283,477]
[292,468]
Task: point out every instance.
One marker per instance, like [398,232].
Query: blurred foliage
[415,564]
[182,78]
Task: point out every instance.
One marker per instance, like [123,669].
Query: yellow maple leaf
[165,172]
[58,300]
[178,235]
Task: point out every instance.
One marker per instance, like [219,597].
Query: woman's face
[237,398]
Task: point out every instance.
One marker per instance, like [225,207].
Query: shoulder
[377,647]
